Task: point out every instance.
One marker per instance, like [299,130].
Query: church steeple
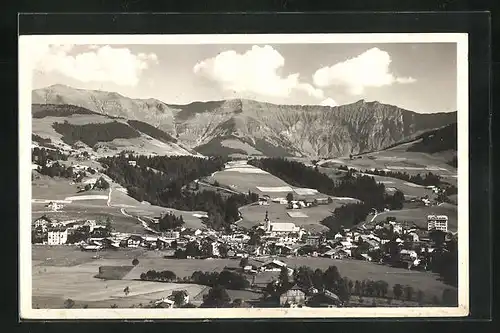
[267,222]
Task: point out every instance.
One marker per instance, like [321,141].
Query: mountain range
[242,126]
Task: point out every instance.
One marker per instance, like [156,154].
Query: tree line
[41,155]
[428,179]
[330,279]
[151,131]
[364,188]
[226,278]
[162,181]
[93,133]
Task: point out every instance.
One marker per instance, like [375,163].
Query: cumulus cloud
[329,102]
[369,69]
[254,72]
[99,64]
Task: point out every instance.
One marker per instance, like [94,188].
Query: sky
[420,77]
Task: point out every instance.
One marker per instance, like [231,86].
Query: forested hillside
[161,181]
[364,188]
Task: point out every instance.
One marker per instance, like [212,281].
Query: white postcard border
[28,46]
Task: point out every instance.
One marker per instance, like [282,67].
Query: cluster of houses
[267,239]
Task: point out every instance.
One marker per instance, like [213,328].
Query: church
[279,227]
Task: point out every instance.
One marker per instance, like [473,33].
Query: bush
[69,303]
[135,262]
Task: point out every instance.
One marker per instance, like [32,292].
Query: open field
[409,189]
[95,211]
[94,205]
[70,274]
[419,215]
[53,285]
[399,160]
[62,272]
[55,188]
[243,177]
[254,215]
[248,182]
[191,219]
[181,267]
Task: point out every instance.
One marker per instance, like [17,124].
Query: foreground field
[63,272]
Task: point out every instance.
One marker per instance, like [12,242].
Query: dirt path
[144,223]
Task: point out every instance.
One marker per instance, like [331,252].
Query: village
[261,249]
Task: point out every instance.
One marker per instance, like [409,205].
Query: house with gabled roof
[323,299]
[293,296]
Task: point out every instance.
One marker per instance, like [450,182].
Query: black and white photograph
[241,176]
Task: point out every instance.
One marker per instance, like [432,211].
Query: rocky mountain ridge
[249,127]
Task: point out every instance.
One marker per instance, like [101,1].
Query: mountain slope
[255,128]
[68,125]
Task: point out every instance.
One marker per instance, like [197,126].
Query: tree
[450,297]
[108,225]
[126,290]
[420,297]
[237,303]
[289,197]
[343,291]
[217,297]
[331,277]
[317,279]
[370,287]
[397,290]
[223,250]
[350,284]
[244,262]
[383,287]
[303,277]
[357,287]
[283,278]
[101,184]
[179,297]
[438,237]
[135,262]
[397,200]
[408,292]
[69,303]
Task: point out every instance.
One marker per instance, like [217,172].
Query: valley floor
[64,272]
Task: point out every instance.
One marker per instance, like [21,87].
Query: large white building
[281,227]
[57,237]
[437,222]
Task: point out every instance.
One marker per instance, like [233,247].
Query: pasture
[62,272]
[45,187]
[181,267]
[419,215]
[254,215]
[242,177]
[69,273]
[360,270]
[397,159]
[97,210]
[244,182]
